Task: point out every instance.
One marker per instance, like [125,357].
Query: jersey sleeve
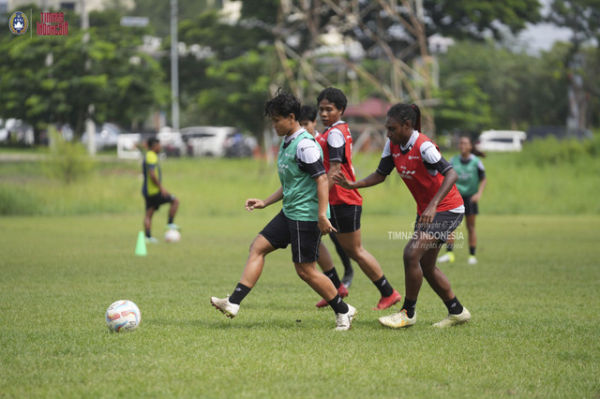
[433,159]
[309,159]
[336,145]
[386,163]
[480,170]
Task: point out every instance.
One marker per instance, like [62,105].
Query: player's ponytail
[417,121]
[406,113]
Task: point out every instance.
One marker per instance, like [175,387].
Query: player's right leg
[274,235]
[352,244]
[148,223]
[326,263]
[254,265]
[344,313]
[348,270]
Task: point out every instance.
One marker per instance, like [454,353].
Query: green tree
[486,86]
[230,80]
[473,19]
[238,90]
[53,80]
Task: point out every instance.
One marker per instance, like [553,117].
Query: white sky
[542,36]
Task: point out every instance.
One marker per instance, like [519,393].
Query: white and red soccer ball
[123,315]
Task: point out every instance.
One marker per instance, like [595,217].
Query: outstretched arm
[371,180]
[255,203]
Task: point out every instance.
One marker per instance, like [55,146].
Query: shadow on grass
[225,324]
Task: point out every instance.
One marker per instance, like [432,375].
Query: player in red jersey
[430,179]
[346,204]
[308,120]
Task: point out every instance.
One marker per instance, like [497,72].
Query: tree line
[230,69]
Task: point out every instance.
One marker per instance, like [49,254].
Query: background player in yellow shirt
[153,191]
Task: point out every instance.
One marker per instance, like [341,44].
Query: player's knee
[303,273]
[410,255]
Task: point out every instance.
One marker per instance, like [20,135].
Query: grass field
[67,253]
[533,296]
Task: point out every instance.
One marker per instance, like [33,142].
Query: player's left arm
[434,161]
[323,194]
[336,146]
[310,161]
[482,182]
[255,203]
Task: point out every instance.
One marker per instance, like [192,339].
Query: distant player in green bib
[471,183]
[304,216]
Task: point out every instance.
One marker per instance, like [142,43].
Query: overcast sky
[542,36]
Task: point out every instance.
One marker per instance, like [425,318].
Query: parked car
[172,143]
[207,140]
[501,140]
[107,136]
[16,131]
[239,145]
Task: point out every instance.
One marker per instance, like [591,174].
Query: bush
[552,151]
[68,161]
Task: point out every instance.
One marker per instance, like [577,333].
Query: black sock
[335,279]
[338,305]
[148,233]
[171,219]
[409,306]
[239,293]
[384,286]
[454,307]
[449,247]
[472,250]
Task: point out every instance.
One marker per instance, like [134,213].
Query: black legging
[342,254]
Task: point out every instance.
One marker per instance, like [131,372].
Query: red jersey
[422,182]
[339,195]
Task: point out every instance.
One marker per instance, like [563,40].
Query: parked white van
[501,140]
[207,140]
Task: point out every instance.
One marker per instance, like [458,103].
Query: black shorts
[155,201]
[305,237]
[443,224]
[345,218]
[471,208]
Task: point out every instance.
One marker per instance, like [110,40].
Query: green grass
[67,253]
[533,296]
[218,187]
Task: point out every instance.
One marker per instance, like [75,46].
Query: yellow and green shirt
[150,188]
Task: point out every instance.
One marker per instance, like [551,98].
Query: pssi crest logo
[18,23]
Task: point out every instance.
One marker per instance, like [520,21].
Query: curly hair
[335,96]
[308,113]
[283,104]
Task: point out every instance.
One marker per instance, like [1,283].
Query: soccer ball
[123,315]
[172,235]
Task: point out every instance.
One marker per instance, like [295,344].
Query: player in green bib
[304,216]
[471,183]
